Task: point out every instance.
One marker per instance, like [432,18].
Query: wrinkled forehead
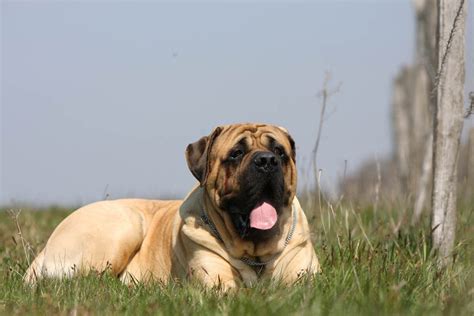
[252,135]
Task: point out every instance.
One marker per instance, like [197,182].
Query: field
[369,267]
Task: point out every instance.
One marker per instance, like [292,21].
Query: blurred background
[100,99]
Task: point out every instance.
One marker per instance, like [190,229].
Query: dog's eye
[236,154]
[280,152]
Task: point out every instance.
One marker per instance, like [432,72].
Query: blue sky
[102,96]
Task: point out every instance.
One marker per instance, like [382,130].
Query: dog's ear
[292,142]
[197,155]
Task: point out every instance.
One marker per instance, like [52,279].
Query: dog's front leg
[213,271]
[295,263]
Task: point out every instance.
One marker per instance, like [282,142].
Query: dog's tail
[34,271]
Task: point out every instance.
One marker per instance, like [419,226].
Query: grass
[367,269]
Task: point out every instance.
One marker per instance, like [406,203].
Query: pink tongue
[263,217]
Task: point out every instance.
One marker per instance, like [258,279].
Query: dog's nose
[265,161]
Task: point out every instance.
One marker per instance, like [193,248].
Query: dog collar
[247,260]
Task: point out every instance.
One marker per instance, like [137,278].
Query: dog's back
[103,235]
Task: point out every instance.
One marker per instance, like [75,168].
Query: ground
[368,267]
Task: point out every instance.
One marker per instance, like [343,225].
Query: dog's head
[248,172]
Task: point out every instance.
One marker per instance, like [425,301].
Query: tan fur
[143,240]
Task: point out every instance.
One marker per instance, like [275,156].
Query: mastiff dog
[240,224]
